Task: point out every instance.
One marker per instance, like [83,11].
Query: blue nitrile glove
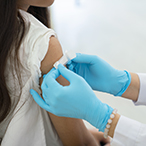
[75,101]
[100,75]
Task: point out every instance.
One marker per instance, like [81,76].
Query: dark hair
[42,14]
[12,31]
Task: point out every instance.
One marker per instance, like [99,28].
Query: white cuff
[126,132]
[142,92]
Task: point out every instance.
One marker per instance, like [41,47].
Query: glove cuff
[126,85]
[107,117]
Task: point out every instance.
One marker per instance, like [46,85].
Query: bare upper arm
[54,53]
[71,131]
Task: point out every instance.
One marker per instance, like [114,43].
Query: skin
[133,90]
[25,4]
[131,93]
[72,132]
[78,135]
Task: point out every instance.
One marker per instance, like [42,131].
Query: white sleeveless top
[28,124]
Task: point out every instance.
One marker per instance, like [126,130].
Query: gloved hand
[76,100]
[100,75]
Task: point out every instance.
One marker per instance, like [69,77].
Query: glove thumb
[50,79]
[67,74]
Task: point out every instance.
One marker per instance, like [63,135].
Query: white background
[115,30]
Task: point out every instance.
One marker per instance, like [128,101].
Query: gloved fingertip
[69,62]
[53,69]
[61,66]
[52,73]
[44,76]
[77,55]
[31,91]
[70,67]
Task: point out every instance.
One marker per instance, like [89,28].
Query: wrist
[113,125]
[98,114]
[92,113]
[124,82]
[132,91]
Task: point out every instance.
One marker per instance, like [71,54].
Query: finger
[67,74]
[71,66]
[50,79]
[53,73]
[39,100]
[83,58]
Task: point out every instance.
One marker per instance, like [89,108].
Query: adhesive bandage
[69,55]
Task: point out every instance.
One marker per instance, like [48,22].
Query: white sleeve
[129,133]
[142,93]
[36,45]
[37,54]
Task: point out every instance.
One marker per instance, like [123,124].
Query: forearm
[72,132]
[113,125]
[132,91]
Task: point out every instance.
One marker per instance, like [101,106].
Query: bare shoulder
[54,54]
